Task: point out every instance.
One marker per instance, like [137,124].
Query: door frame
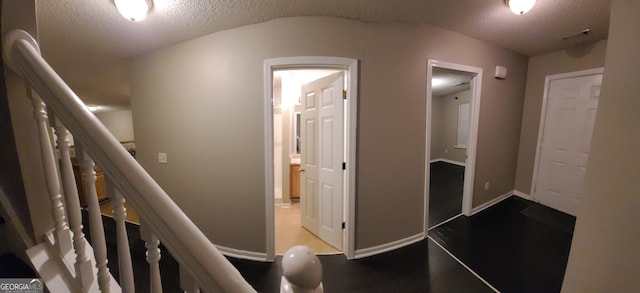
[469,171]
[350,66]
[543,116]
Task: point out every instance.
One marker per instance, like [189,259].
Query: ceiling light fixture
[520,6]
[437,82]
[133,10]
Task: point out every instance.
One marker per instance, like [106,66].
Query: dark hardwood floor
[516,245]
[13,267]
[421,267]
[445,192]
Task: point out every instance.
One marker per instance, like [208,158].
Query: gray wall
[604,256]
[201,102]
[583,57]
[445,128]
[119,122]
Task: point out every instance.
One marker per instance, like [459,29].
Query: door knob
[300,170]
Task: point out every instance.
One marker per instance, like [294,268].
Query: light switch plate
[162,158]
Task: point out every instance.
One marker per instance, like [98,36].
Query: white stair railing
[163,221]
[152,243]
[61,230]
[95,218]
[82,266]
[187,283]
[124,254]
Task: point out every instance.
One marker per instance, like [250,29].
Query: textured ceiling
[68,29]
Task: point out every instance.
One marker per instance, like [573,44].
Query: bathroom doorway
[289,135]
[297,160]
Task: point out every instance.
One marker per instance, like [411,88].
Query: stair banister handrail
[210,269]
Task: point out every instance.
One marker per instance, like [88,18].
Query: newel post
[301,271]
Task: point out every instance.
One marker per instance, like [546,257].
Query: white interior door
[566,139]
[321,158]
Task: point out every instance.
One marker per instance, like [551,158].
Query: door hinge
[344,225]
[344,94]
[344,165]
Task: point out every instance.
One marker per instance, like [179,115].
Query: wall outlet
[446,151]
[486,185]
[162,158]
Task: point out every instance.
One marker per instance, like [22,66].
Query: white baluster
[152,243]
[124,254]
[187,283]
[95,218]
[61,231]
[83,263]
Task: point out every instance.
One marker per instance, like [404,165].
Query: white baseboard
[448,161]
[243,254]
[490,203]
[523,195]
[360,253]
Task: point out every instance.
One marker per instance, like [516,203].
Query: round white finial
[301,267]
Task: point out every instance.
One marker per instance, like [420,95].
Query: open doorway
[292,151]
[453,95]
[310,161]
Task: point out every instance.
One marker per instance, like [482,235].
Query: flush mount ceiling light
[437,82]
[133,10]
[520,6]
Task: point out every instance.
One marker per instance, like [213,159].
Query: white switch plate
[486,186]
[162,158]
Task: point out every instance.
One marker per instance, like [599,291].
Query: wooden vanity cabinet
[101,189]
[294,181]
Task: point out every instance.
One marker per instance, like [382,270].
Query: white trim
[543,115]
[268,163]
[522,195]
[491,203]
[464,265]
[469,171]
[448,161]
[369,251]
[243,254]
[351,67]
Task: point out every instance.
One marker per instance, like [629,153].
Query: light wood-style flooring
[107,209]
[289,231]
